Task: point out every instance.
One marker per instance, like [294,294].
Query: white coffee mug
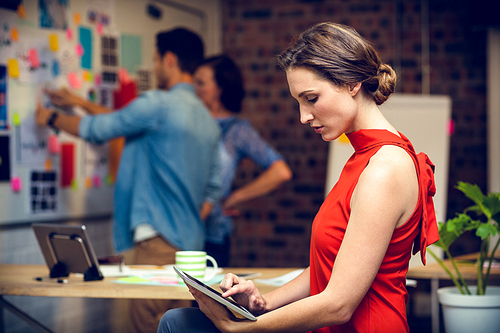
[194,263]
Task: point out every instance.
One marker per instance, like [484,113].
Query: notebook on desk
[67,249]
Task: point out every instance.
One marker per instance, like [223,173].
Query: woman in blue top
[219,85]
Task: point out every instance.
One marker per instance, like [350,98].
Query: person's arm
[269,180]
[60,121]
[206,208]
[65,98]
[384,198]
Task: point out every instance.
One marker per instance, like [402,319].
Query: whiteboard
[425,121]
[88,195]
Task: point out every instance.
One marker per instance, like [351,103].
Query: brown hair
[337,53]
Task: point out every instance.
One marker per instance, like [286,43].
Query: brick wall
[275,230]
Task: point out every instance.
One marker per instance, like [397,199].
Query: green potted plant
[481,218]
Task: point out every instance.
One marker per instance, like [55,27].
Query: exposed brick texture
[275,230]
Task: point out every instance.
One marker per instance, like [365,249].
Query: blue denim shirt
[238,140]
[169,165]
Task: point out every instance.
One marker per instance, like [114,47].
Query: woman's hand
[42,115]
[244,292]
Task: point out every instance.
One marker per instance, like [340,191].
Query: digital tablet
[214,294]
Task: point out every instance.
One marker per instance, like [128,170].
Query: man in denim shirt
[168,177]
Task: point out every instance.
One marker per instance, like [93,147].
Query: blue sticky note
[55,68]
[86,42]
[131,52]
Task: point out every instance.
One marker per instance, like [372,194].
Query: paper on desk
[142,270]
[281,280]
[161,280]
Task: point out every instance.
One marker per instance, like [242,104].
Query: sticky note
[76,18]
[73,80]
[67,161]
[33,58]
[53,43]
[451,127]
[343,138]
[96,181]
[123,75]
[16,184]
[55,68]
[109,180]
[13,67]
[14,34]
[79,50]
[86,41]
[99,29]
[97,79]
[53,144]
[16,119]
[69,34]
[74,185]
[48,164]
[88,182]
[21,11]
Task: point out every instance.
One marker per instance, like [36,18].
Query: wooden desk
[434,272]
[19,280]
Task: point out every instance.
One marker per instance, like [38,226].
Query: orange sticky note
[21,11]
[14,34]
[73,80]
[76,18]
[88,182]
[13,67]
[48,164]
[53,42]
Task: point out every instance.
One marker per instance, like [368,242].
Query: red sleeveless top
[383,309]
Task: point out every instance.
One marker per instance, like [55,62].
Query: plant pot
[470,313]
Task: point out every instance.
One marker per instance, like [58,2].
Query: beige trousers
[145,314]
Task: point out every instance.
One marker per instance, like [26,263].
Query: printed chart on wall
[77,45]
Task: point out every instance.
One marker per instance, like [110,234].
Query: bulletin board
[102,50]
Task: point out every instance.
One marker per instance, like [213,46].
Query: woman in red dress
[364,233]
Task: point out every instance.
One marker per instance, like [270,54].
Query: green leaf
[485,230]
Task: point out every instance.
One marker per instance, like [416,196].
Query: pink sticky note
[53,144]
[16,184]
[69,34]
[97,79]
[73,80]
[80,51]
[97,181]
[99,29]
[33,58]
[123,76]
[451,127]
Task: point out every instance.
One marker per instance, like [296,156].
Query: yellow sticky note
[13,67]
[76,18]
[85,75]
[14,34]
[16,119]
[53,42]
[343,138]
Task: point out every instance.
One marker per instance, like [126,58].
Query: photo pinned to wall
[3,98]
[33,143]
[53,14]
[43,192]
[9,35]
[106,97]
[100,12]
[143,80]
[4,158]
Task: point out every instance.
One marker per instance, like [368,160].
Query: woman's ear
[354,88]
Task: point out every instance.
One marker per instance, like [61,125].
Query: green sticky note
[16,119]
[74,185]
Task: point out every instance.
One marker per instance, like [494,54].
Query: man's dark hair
[185,44]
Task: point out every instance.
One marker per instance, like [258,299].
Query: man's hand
[63,97]
[42,115]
